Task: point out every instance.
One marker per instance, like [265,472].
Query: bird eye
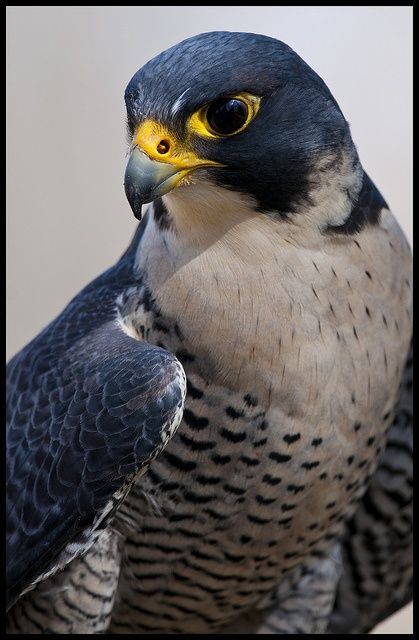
[227,115]
[224,116]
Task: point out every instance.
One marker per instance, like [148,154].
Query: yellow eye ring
[233,113]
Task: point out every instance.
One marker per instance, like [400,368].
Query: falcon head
[245,116]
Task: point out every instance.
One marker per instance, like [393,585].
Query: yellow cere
[198,121]
[162,145]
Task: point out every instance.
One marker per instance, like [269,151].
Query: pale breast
[292,377]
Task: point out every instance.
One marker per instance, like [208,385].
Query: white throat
[235,281]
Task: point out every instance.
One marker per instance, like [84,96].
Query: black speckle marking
[185,356]
[279,457]
[231,436]
[367,311]
[353,399]
[234,490]
[355,333]
[196,445]
[193,421]
[316,441]
[159,326]
[207,480]
[330,536]
[350,460]
[370,441]
[323,476]
[290,438]
[386,416]
[260,443]
[214,514]
[357,426]
[330,505]
[338,476]
[178,332]
[251,401]
[263,425]
[261,500]
[191,496]
[250,462]
[295,488]
[220,459]
[246,539]
[193,391]
[310,465]
[233,558]
[285,521]
[313,526]
[157,480]
[257,520]
[287,507]
[367,273]
[178,463]
[271,480]
[233,413]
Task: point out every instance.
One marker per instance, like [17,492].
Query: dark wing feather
[377,550]
[87,408]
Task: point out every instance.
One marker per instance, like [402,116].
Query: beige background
[67,68]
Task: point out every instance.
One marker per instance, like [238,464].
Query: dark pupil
[227,116]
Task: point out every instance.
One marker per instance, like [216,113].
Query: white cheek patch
[178,102]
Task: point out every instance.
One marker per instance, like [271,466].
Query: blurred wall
[67,68]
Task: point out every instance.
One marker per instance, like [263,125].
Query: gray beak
[146,179]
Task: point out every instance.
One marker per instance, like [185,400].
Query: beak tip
[135,202]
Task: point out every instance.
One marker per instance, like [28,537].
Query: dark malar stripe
[366,210]
[161,214]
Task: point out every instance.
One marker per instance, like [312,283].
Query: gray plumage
[275,276]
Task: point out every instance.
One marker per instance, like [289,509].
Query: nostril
[163,147]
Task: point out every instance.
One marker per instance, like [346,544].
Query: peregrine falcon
[269,283]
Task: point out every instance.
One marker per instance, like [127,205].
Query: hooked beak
[147,179]
[158,163]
